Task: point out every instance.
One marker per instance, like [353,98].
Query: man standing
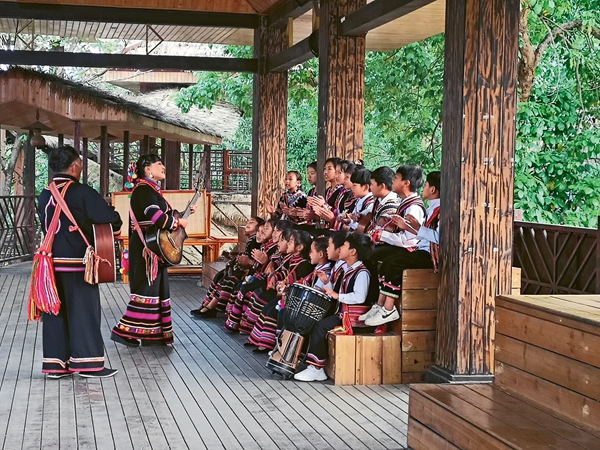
[72,339]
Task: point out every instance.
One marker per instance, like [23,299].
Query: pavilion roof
[420,24]
[23,92]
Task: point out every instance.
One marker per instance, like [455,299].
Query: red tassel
[43,295]
[151,265]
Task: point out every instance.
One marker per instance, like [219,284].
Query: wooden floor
[208,391]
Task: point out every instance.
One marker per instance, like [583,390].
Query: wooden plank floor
[208,391]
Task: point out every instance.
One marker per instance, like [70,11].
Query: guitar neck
[188,210]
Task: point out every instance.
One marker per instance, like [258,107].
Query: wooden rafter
[119,61]
[377,13]
[45,11]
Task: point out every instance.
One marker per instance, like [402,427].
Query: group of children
[353,244]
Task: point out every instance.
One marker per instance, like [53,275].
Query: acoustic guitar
[168,245]
[104,246]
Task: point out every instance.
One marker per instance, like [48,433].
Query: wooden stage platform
[208,391]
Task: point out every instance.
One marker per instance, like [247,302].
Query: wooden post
[269,120]
[61,140]
[145,145]
[84,158]
[125,155]
[341,87]
[29,168]
[480,98]
[172,161]
[77,136]
[226,168]
[190,165]
[598,258]
[29,190]
[207,162]
[103,160]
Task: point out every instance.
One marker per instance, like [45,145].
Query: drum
[286,354]
[304,307]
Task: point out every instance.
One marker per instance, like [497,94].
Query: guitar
[104,246]
[168,245]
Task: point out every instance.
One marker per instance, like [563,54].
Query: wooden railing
[19,228]
[557,259]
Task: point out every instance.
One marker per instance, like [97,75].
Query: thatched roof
[94,95]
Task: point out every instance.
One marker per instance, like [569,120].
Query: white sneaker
[311,373]
[370,313]
[383,316]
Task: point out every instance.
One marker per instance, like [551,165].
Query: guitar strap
[90,259]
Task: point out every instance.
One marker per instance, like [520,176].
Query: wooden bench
[546,391]
[415,332]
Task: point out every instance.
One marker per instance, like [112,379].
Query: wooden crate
[364,359]
[209,270]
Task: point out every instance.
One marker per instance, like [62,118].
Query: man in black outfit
[72,339]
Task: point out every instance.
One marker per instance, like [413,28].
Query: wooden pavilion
[478,119]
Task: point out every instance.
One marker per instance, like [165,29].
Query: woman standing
[148,315]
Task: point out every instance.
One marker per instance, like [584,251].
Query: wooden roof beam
[48,11]
[293,9]
[294,55]
[377,13]
[119,61]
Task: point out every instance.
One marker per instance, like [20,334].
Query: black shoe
[56,376]
[104,373]
[208,314]
[249,344]
[148,343]
[128,342]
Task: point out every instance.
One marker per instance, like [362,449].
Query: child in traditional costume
[351,288]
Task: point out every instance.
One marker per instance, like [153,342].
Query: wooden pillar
[125,155]
[61,140]
[172,162]
[29,168]
[103,160]
[152,146]
[190,166]
[207,163]
[77,136]
[341,87]
[145,145]
[84,160]
[269,120]
[480,98]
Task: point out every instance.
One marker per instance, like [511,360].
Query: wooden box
[364,359]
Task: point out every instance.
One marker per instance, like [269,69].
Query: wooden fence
[557,259]
[19,228]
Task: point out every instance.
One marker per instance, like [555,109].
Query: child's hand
[244,260]
[325,214]
[331,293]
[269,207]
[271,283]
[281,286]
[315,201]
[412,222]
[322,276]
[259,256]
[400,223]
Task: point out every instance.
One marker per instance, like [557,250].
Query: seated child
[426,255]
[248,297]
[318,258]
[364,200]
[351,289]
[296,245]
[292,198]
[306,216]
[345,200]
[226,280]
[333,191]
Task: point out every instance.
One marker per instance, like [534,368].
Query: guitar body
[364,222]
[104,246]
[168,245]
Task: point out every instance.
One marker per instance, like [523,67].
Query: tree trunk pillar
[269,117]
[480,98]
[125,156]
[341,86]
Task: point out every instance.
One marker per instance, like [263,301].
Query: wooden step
[486,417]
